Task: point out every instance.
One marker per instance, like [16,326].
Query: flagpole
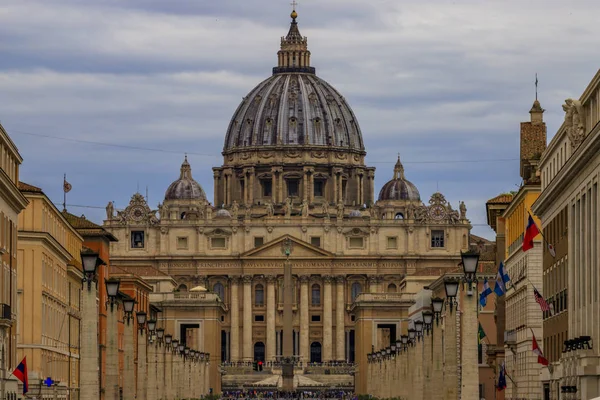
[64,193]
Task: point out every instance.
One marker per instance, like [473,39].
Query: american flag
[540,300]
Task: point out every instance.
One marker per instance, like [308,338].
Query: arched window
[182,288]
[356,290]
[392,288]
[315,352]
[259,351]
[259,295]
[399,216]
[220,290]
[316,295]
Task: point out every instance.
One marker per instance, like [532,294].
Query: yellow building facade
[11,204]
[49,293]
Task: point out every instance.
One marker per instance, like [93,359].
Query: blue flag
[485,293]
[501,280]
[501,379]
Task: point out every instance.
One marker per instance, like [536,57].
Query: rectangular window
[218,243]
[356,242]
[259,241]
[259,318]
[292,185]
[182,243]
[392,242]
[137,239]
[267,188]
[437,238]
[315,241]
[315,318]
[319,188]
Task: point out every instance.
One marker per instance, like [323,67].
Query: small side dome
[222,213]
[355,214]
[399,188]
[185,188]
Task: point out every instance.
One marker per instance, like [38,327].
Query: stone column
[280,186]
[142,376]
[89,385]
[112,356]
[304,319]
[271,306]
[469,365]
[151,393]
[251,193]
[128,362]
[216,175]
[235,319]
[327,320]
[437,371]
[340,313]
[247,333]
[451,355]
[160,371]
[246,184]
[168,374]
[274,193]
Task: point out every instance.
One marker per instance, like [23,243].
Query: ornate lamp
[160,334]
[404,339]
[438,304]
[168,340]
[175,346]
[451,287]
[90,262]
[470,260]
[428,320]
[411,335]
[128,306]
[419,329]
[141,320]
[112,291]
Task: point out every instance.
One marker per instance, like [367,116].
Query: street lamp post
[168,366]
[181,370]
[175,381]
[151,391]
[160,363]
[128,371]
[469,363]
[89,382]
[112,349]
[437,372]
[142,377]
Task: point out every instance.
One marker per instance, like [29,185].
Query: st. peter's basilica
[293,167]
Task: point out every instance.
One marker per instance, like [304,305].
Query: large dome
[399,188]
[294,107]
[185,188]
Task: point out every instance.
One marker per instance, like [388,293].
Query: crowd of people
[301,394]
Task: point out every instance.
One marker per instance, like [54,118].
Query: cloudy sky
[113,92]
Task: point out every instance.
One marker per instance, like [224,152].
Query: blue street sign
[49,382]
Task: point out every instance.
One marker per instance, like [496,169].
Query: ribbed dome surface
[399,188]
[294,109]
[185,188]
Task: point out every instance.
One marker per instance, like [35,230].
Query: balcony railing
[510,338]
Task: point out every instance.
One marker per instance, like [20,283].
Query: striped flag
[538,352]
[21,374]
[541,301]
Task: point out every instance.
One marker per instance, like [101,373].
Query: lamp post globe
[89,261]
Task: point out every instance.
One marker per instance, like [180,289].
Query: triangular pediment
[300,249]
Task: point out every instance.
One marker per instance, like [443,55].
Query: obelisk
[287,364]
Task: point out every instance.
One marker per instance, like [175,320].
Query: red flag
[21,374]
[537,351]
[530,233]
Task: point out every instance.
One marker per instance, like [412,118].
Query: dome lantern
[399,188]
[293,55]
[185,188]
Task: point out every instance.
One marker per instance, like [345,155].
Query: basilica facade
[293,167]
